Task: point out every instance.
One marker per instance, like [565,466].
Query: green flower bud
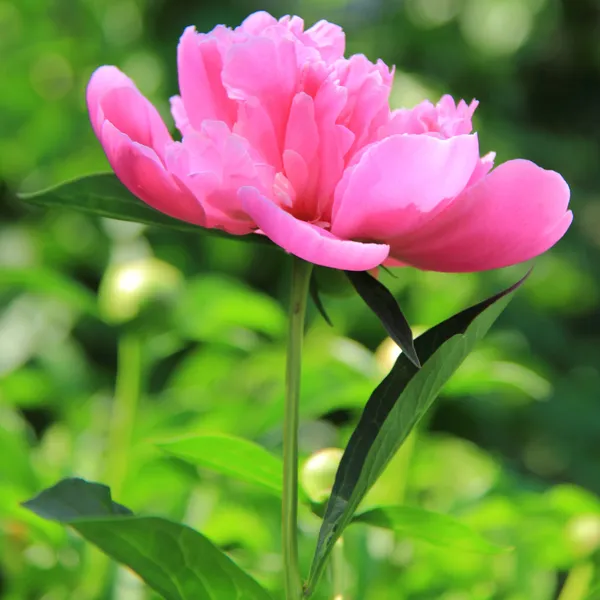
[131,287]
[386,355]
[388,351]
[318,473]
[583,532]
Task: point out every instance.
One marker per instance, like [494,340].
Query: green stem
[300,283]
[578,582]
[338,571]
[127,394]
[122,422]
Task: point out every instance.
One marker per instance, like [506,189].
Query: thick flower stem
[299,291]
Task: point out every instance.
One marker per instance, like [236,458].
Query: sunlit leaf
[483,373]
[393,410]
[231,456]
[435,528]
[173,559]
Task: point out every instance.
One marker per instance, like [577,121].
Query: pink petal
[297,174]
[257,22]
[307,241]
[404,120]
[335,143]
[514,214]
[103,80]
[142,172]
[214,163]
[399,183]
[446,119]
[454,119]
[301,134]
[199,64]
[368,86]
[180,115]
[264,69]
[299,156]
[329,39]
[255,124]
[112,96]
[294,24]
[206,187]
[485,165]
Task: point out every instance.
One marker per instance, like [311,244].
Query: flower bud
[318,473]
[583,532]
[388,351]
[128,288]
[386,355]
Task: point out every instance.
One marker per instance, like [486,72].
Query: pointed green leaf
[380,300]
[436,528]
[103,195]
[231,456]
[173,559]
[394,409]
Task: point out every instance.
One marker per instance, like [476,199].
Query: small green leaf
[231,456]
[380,300]
[173,559]
[103,195]
[394,408]
[435,528]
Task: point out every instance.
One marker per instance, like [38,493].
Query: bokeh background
[513,446]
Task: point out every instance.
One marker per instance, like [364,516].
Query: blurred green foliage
[512,447]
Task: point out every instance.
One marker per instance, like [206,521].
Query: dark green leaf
[380,300]
[435,528]
[173,559]
[103,195]
[316,298]
[394,409]
[232,456]
[75,498]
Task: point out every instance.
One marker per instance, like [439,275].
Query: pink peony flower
[282,136]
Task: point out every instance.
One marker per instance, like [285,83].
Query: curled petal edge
[307,241]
